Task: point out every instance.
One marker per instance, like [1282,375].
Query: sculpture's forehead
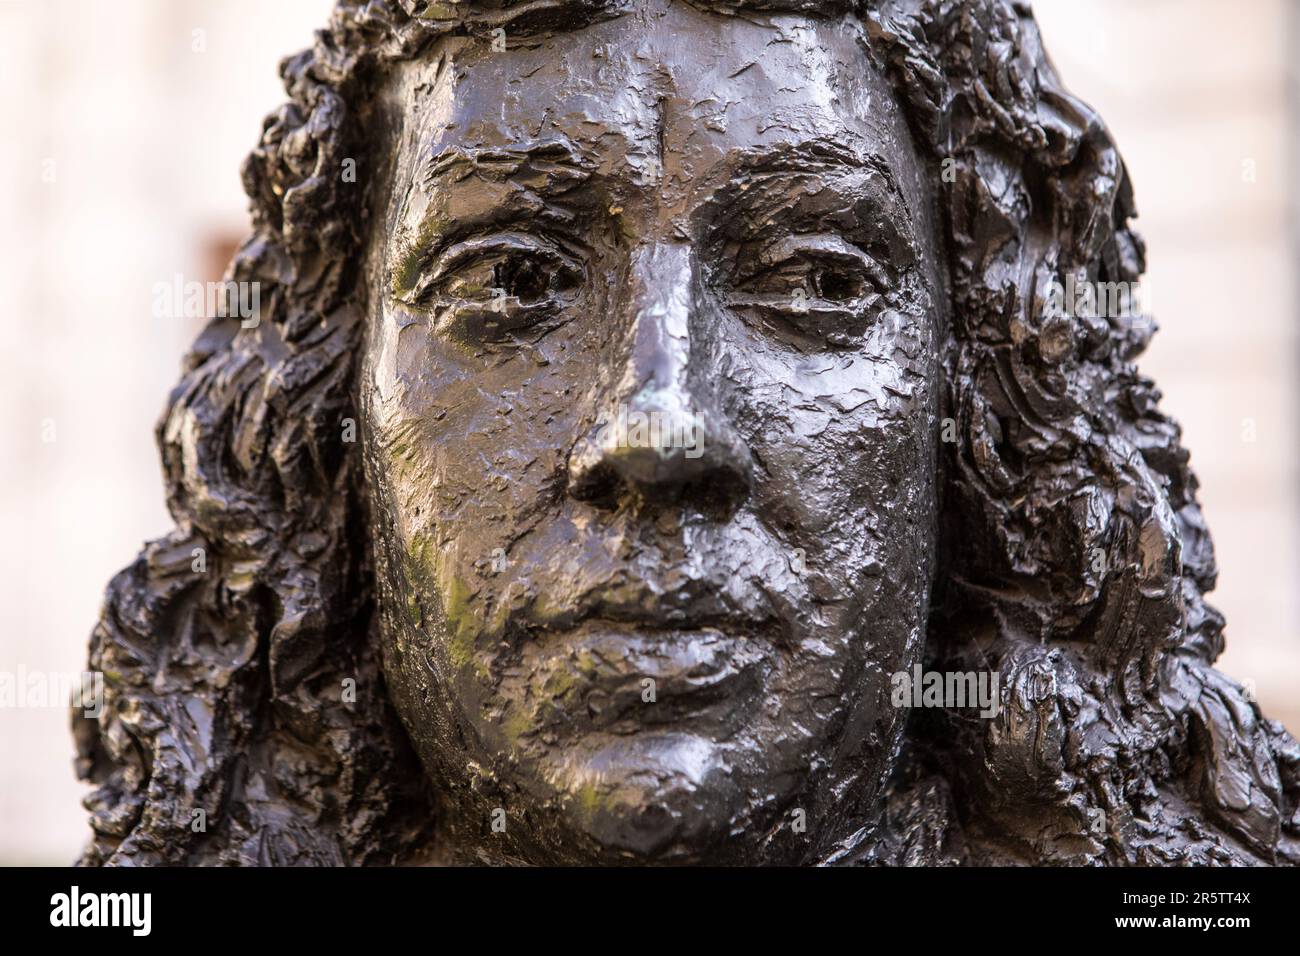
[677,86]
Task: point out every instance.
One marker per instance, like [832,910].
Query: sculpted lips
[620,677]
[633,656]
[651,632]
[649,640]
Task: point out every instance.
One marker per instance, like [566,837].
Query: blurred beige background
[1204,101]
[124,130]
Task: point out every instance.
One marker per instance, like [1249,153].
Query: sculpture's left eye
[828,280]
[836,283]
[811,288]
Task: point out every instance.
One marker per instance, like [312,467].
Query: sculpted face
[649,413]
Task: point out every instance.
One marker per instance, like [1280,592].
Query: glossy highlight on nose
[656,434]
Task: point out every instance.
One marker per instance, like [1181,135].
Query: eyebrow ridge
[505,162]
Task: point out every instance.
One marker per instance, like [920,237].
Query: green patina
[461,627]
[518,723]
[406,274]
[440,11]
[413,611]
[590,799]
[559,683]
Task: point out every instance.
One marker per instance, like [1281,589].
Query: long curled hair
[247,720]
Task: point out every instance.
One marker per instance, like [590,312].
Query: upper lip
[648,609]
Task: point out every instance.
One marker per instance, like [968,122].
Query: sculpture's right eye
[491,287]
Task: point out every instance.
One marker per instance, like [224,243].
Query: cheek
[469,458]
[466,448]
[843,440]
[848,480]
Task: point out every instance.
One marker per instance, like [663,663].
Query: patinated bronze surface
[642,388]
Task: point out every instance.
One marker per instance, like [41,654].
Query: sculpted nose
[658,433]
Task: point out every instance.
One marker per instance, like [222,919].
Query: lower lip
[695,665]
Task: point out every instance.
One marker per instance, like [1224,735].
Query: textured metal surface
[805,244]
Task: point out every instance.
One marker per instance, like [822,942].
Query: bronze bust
[649,399]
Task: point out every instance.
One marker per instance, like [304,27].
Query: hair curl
[1075,557]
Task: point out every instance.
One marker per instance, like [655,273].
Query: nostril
[590,475]
[619,462]
[715,495]
[598,485]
